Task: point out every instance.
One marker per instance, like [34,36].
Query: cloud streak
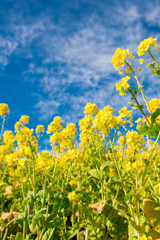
[72,66]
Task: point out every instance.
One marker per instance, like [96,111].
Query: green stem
[139,107]
[118,170]
[140,86]
[2,130]
[147,164]
[153,57]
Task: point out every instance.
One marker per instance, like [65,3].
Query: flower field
[99,182]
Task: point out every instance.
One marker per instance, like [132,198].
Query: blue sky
[55,55]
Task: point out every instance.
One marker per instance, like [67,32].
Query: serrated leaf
[155,115]
[95,173]
[152,130]
[134,106]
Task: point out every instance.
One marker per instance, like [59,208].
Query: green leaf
[95,173]
[75,229]
[65,203]
[47,234]
[105,167]
[151,211]
[42,221]
[134,106]
[140,193]
[38,215]
[155,71]
[134,230]
[152,130]
[29,236]
[155,115]
[50,207]
[152,65]
[19,236]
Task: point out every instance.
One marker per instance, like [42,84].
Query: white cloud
[80,59]
[7,47]
[152,14]
[46,108]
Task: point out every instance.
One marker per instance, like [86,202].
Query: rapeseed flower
[24,119]
[3,109]
[119,58]
[141,60]
[91,108]
[123,84]
[55,126]
[39,129]
[124,112]
[154,104]
[145,44]
[128,70]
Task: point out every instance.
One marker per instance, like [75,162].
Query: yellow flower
[154,104]
[140,69]
[73,183]
[141,60]
[124,112]
[72,196]
[143,237]
[119,133]
[123,84]
[55,126]
[8,138]
[128,70]
[119,58]
[85,122]
[17,126]
[120,71]
[158,47]
[39,128]
[3,109]
[145,44]
[90,108]
[129,54]
[24,119]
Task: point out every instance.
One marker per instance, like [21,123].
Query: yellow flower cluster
[8,138]
[55,126]
[134,140]
[124,113]
[73,197]
[3,109]
[105,120]
[123,84]
[39,129]
[91,108]
[144,237]
[119,58]
[154,104]
[24,119]
[44,160]
[63,139]
[145,44]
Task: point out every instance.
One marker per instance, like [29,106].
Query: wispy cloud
[74,64]
[7,47]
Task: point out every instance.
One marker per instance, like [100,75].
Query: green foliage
[156,71]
